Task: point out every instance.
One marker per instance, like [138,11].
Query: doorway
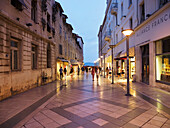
[145,63]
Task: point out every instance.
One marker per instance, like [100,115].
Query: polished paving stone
[84,103]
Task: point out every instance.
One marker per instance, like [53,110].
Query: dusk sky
[86,16]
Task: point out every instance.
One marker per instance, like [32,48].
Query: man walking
[61,73]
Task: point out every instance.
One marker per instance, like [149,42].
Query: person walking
[107,72]
[110,72]
[86,69]
[61,73]
[65,72]
[82,70]
[97,74]
[93,73]
[119,72]
[78,70]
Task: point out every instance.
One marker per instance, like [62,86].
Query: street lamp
[101,64]
[104,64]
[112,46]
[127,33]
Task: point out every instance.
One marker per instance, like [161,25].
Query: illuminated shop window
[163,60]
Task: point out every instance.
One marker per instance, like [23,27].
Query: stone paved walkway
[157,94]
[84,103]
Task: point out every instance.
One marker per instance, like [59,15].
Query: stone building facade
[32,35]
[149,20]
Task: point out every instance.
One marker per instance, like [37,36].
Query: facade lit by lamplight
[149,42]
[36,41]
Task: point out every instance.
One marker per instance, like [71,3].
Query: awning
[74,62]
[123,55]
[62,60]
[131,53]
[23,3]
[117,55]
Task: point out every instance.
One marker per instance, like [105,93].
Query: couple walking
[95,70]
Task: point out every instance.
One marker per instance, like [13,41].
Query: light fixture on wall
[148,15]
[49,37]
[17,18]
[28,24]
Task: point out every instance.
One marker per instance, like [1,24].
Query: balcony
[107,36]
[114,8]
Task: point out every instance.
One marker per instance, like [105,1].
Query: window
[14,55]
[162,2]
[116,38]
[142,11]
[17,4]
[60,49]
[122,10]
[48,56]
[34,56]
[65,35]
[131,23]
[34,10]
[65,51]
[163,60]
[60,31]
[121,33]
[116,19]
[48,23]
[130,3]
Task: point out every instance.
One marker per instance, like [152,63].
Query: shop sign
[164,18]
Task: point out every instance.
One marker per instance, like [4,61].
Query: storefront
[74,65]
[163,60]
[121,61]
[64,64]
[152,50]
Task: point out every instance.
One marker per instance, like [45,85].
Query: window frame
[12,56]
[121,9]
[142,9]
[48,56]
[48,22]
[157,54]
[131,23]
[34,10]
[130,3]
[60,49]
[34,66]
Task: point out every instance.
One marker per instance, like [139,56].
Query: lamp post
[104,64]
[112,46]
[101,63]
[127,33]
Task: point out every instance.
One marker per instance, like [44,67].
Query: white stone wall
[153,28]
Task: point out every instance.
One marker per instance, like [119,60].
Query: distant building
[34,38]
[149,44]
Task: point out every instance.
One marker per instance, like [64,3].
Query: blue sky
[86,16]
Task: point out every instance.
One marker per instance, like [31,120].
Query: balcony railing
[108,36]
[114,8]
